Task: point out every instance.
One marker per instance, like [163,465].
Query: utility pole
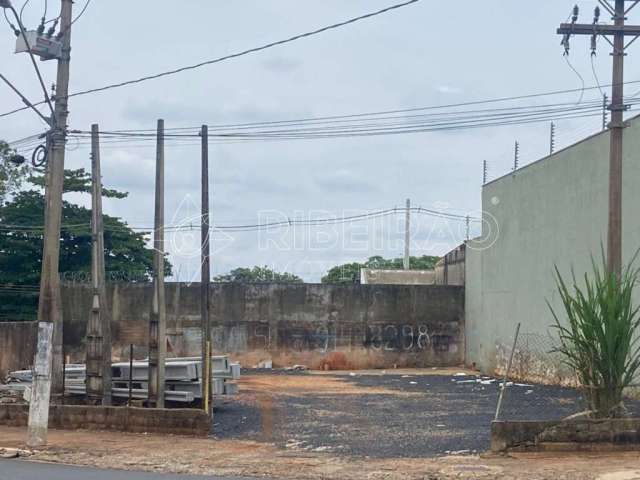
[467,222]
[516,156]
[485,171]
[205,272]
[619,31]
[605,116]
[94,348]
[50,302]
[552,139]
[157,319]
[407,235]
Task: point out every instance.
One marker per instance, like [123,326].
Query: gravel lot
[382,415]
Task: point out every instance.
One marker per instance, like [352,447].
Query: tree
[21,237]
[11,175]
[257,275]
[350,272]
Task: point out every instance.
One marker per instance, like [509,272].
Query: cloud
[448,89]
[344,181]
[282,64]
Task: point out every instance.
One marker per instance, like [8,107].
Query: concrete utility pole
[50,303]
[618,31]
[99,325]
[41,388]
[94,351]
[407,235]
[158,317]
[552,139]
[205,272]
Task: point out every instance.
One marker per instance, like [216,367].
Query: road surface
[24,470]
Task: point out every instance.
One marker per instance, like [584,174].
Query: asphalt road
[24,470]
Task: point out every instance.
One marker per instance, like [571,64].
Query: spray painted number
[423,337]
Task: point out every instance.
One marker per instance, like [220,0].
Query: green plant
[599,338]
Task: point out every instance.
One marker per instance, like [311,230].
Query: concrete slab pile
[183,379]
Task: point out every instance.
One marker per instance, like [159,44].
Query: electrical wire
[595,75]
[86,227]
[238,54]
[582,90]
[22,9]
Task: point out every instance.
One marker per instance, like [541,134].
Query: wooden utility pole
[205,272]
[407,235]
[619,31]
[50,302]
[157,319]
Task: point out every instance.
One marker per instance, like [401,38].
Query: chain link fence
[539,385]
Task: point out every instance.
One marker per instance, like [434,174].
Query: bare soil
[338,425]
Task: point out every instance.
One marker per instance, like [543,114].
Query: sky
[429,53]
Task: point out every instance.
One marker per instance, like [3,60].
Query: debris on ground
[265,364]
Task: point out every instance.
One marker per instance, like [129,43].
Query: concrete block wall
[354,326]
[188,422]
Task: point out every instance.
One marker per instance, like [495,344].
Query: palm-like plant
[599,340]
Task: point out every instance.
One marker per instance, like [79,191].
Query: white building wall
[552,212]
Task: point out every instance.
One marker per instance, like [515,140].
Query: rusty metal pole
[157,319]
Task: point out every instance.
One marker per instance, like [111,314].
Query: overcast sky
[430,53]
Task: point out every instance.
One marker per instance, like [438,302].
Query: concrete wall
[369,276]
[175,421]
[17,345]
[450,269]
[551,212]
[321,326]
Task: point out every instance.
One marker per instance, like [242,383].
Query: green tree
[257,275]
[21,237]
[11,175]
[350,272]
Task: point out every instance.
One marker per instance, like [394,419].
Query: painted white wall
[553,211]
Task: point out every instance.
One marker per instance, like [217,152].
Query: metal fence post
[506,374]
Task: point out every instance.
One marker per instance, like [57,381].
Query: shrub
[598,340]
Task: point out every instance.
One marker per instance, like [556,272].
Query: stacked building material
[183,379]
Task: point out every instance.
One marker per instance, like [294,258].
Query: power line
[238,54]
[85,227]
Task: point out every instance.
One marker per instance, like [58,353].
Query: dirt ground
[342,426]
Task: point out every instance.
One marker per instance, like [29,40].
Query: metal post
[506,374]
[205,272]
[157,319]
[130,374]
[407,235]
[50,303]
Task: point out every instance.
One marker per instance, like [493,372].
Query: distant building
[450,268]
[370,276]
